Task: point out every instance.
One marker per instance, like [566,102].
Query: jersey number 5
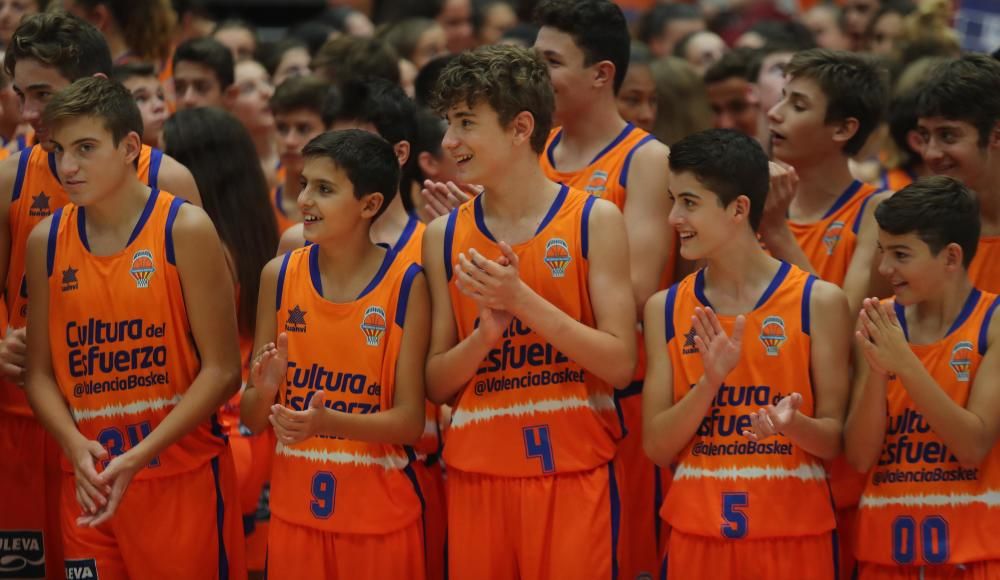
[538,444]
[736,521]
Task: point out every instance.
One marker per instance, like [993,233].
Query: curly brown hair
[508,78]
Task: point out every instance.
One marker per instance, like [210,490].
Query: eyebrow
[897,247]
[683,194]
[462,114]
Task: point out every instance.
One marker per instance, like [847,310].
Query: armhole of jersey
[585,226]
[668,313]
[984,330]
[22,168]
[856,226]
[449,239]
[806,304]
[404,293]
[50,254]
[623,177]
[281,281]
[155,158]
[175,206]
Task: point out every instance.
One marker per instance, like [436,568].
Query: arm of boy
[862,277]
[270,363]
[292,239]
[774,230]
[647,207]
[821,434]
[177,179]
[864,428]
[209,300]
[608,350]
[43,393]
[969,432]
[668,427]
[450,363]
[404,422]
[13,346]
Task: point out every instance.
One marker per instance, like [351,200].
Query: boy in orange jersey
[739,398]
[132,348]
[298,105]
[925,418]
[381,107]
[958,110]
[585,44]
[344,498]
[49,51]
[819,217]
[525,279]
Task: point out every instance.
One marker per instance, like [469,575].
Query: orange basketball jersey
[726,486]
[284,222]
[121,342]
[896,179]
[37,193]
[530,410]
[983,270]
[829,243]
[921,506]
[329,483]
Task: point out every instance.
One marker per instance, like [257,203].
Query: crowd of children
[461,289]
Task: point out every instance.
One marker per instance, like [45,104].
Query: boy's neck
[519,191]
[929,320]
[348,263]
[988,195]
[389,226]
[263,143]
[290,187]
[821,182]
[121,207]
[740,270]
[593,126]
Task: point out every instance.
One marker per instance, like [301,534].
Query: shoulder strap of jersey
[668,314]
[50,254]
[623,177]
[155,158]
[404,293]
[449,240]
[175,206]
[806,302]
[585,226]
[984,328]
[22,168]
[281,280]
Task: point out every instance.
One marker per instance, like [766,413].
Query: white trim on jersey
[461,417]
[133,408]
[388,462]
[805,472]
[990,498]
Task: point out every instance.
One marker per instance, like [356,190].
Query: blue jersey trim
[404,293]
[623,177]
[449,240]
[22,168]
[50,258]
[585,226]
[281,281]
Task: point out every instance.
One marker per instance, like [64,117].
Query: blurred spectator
[637,96]
[666,24]
[491,19]
[239,36]
[732,94]
[11,13]
[288,58]
[456,19]
[858,15]
[134,30]
[700,49]
[825,22]
[418,40]
[350,58]
[887,26]
[523,35]
[682,104]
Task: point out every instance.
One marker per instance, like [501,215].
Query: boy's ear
[741,207]
[371,204]
[604,74]
[133,146]
[402,150]
[844,130]
[953,255]
[429,166]
[523,126]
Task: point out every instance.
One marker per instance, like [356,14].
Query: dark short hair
[124,72]
[728,163]
[210,53]
[964,89]
[97,97]
[59,40]
[597,26]
[368,160]
[855,86]
[939,210]
[736,63]
[430,132]
[375,101]
[652,23]
[427,78]
[350,58]
[298,93]
[508,78]
[788,35]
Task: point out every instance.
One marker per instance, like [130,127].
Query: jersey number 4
[538,444]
